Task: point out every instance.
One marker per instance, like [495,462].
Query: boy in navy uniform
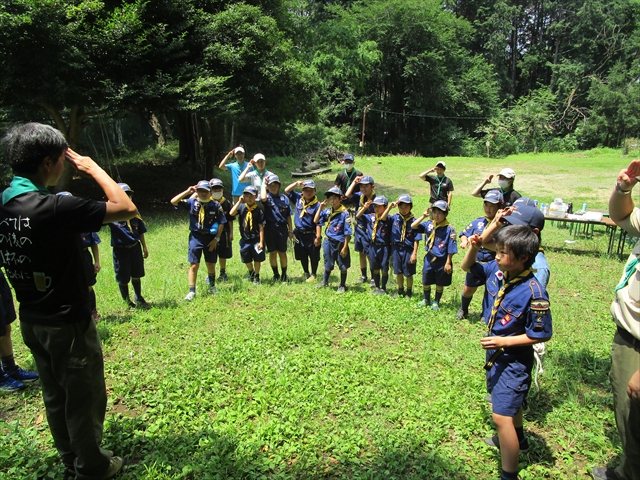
[379,232]
[336,246]
[493,201]
[206,224]
[278,226]
[518,317]
[251,224]
[362,240]
[307,246]
[129,251]
[404,244]
[225,249]
[440,245]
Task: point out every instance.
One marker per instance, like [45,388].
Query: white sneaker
[190,296]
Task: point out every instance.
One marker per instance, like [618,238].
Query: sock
[363,271]
[427,293]
[376,279]
[314,266]
[438,295]
[509,475]
[137,288]
[284,271]
[8,363]
[192,289]
[124,291]
[343,278]
[252,274]
[520,433]
[465,303]
[409,293]
[401,291]
[212,279]
[223,271]
[305,265]
[325,277]
[92,299]
[275,271]
[384,280]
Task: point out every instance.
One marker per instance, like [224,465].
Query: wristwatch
[621,191]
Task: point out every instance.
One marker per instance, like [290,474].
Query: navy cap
[216,182]
[523,201]
[380,200]
[308,184]
[494,196]
[64,193]
[126,187]
[525,215]
[405,199]
[441,205]
[348,158]
[333,191]
[273,178]
[204,185]
[250,189]
[367,180]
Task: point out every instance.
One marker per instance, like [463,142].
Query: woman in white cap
[255,171]
[236,169]
[505,185]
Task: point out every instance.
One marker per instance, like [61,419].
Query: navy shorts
[401,255]
[473,281]
[275,237]
[88,267]
[128,263]
[306,246]
[224,245]
[433,272]
[198,245]
[248,252]
[509,380]
[331,249]
[7,309]
[361,241]
[379,257]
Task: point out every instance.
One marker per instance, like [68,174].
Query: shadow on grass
[582,253]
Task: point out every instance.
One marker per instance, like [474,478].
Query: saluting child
[206,224]
[378,228]
[307,247]
[493,201]
[338,232]
[404,244]
[225,246]
[251,226]
[278,227]
[440,246]
[361,239]
[518,316]
[129,251]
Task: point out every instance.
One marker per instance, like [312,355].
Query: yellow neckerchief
[201,212]
[248,221]
[362,199]
[311,203]
[432,237]
[335,212]
[501,293]
[375,228]
[404,225]
[129,221]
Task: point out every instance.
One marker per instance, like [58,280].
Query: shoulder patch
[539,306]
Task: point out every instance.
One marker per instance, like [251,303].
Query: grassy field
[288,381]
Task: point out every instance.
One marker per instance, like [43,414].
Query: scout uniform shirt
[477,226]
[127,232]
[378,231]
[276,209]
[339,223]
[401,232]
[441,244]
[250,219]
[202,215]
[304,213]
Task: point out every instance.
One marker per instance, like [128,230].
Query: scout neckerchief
[335,212]
[440,182]
[129,221]
[629,268]
[20,185]
[260,175]
[405,219]
[432,236]
[349,177]
[362,199]
[308,204]
[201,212]
[248,221]
[375,228]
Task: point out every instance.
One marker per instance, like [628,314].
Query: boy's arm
[416,223]
[363,209]
[449,197]
[491,229]
[477,192]
[385,214]
[176,200]
[223,162]
[316,217]
[263,191]
[290,226]
[448,266]
[345,247]
[245,171]
[495,342]
[414,254]
[234,210]
[349,192]
[318,239]
[470,257]
[261,243]
[95,251]
[145,252]
[289,188]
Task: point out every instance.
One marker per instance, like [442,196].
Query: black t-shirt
[344,179]
[509,197]
[440,187]
[41,250]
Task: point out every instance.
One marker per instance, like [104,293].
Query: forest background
[286,77]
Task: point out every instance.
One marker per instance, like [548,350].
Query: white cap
[238,149]
[507,173]
[259,156]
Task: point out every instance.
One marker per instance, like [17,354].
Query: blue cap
[348,158]
[333,191]
[250,189]
[204,185]
[525,215]
[273,178]
[523,201]
[441,205]
[308,184]
[216,182]
[126,187]
[494,196]
[380,200]
[64,193]
[405,199]
[367,180]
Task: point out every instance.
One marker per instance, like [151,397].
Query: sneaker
[322,285]
[212,290]
[372,283]
[495,442]
[422,303]
[190,296]
[487,398]
[142,303]
[22,375]
[435,306]
[130,304]
[361,280]
[409,294]
[223,277]
[9,384]
[379,291]
[275,279]
[207,280]
[311,279]
[306,276]
[399,295]
[604,473]
[284,278]
[461,314]
[115,465]
[341,289]
[249,276]
[256,280]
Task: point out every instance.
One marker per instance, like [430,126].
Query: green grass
[293,382]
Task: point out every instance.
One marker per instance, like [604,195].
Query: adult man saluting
[441,185]
[625,352]
[41,251]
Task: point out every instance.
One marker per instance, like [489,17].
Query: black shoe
[495,442]
[604,473]
[142,303]
[461,315]
[284,278]
[130,304]
[275,279]
[223,277]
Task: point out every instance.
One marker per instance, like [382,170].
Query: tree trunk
[166,126]
[157,128]
[189,151]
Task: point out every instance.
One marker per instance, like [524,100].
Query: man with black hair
[441,185]
[40,248]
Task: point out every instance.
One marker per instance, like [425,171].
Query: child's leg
[124,291]
[439,290]
[273,261]
[137,287]
[363,265]
[426,291]
[343,278]
[410,283]
[509,445]
[223,264]
[384,279]
[283,264]
[400,282]
[375,274]
[467,296]
[211,271]
[256,267]
[193,276]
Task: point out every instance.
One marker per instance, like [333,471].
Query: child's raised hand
[427,212]
[475,240]
[323,203]
[368,203]
[393,204]
[358,178]
[503,212]
[193,189]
